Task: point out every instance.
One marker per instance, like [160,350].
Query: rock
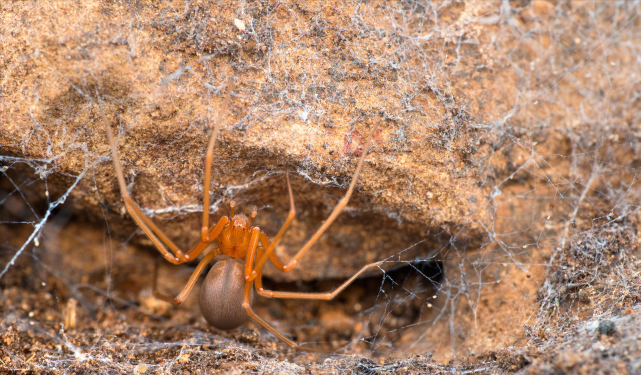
[607,327]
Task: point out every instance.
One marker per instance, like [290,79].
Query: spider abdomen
[221,296]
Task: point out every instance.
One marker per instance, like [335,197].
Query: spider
[226,295]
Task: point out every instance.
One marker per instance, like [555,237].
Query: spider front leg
[335,212]
[204,237]
[151,230]
[269,248]
[159,239]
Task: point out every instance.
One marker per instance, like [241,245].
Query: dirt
[500,192]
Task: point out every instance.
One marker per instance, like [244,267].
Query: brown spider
[226,296]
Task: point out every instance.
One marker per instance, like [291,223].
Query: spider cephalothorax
[235,237]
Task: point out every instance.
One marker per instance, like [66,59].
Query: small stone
[606,327]
[150,303]
[584,296]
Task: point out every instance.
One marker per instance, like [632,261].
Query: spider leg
[337,210]
[269,248]
[208,158]
[190,284]
[259,320]
[151,230]
[250,312]
[311,296]
[268,254]
[214,231]
[251,251]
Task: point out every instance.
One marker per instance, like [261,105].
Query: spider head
[239,227]
[238,231]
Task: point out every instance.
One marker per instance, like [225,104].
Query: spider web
[551,92]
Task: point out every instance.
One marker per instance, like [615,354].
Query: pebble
[606,327]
